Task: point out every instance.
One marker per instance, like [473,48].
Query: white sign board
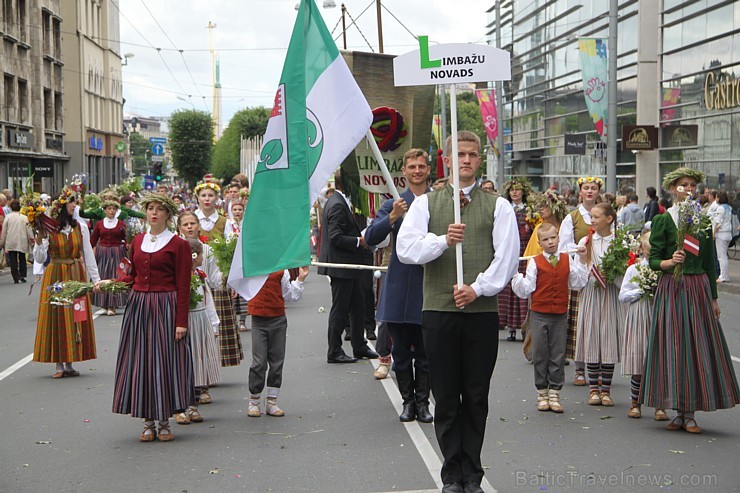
[455,63]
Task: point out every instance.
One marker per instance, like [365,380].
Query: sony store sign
[721,92]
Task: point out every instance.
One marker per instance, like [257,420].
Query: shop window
[23,103]
[48,110]
[9,105]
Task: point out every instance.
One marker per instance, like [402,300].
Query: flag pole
[381,163]
[456,181]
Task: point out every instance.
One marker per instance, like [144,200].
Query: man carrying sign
[457,320]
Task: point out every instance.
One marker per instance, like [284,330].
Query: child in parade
[549,277]
[233,229]
[599,317]
[688,365]
[269,330]
[202,326]
[637,326]
[109,240]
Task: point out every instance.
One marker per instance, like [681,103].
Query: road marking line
[12,369]
[417,435]
[735,359]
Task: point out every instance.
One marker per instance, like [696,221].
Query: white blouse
[151,243]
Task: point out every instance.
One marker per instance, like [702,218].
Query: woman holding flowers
[512,309]
[154,372]
[109,241]
[59,338]
[688,366]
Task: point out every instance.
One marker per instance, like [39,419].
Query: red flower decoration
[590,234]
[632,258]
[203,238]
[200,273]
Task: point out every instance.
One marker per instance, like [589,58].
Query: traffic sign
[120,146]
[157,150]
[148,182]
[158,140]
[157,159]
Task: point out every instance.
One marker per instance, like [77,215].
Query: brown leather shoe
[689,424]
[148,434]
[660,415]
[676,424]
[59,374]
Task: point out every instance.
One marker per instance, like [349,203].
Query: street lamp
[186,100]
[126,56]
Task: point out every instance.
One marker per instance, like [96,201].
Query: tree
[250,122]
[191,143]
[139,147]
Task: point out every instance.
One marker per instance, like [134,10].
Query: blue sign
[148,182]
[158,140]
[95,143]
[157,149]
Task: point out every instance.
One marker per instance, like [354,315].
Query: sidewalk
[732,287]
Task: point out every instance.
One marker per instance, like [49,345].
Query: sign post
[451,64]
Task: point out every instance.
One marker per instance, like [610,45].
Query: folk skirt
[570,341]
[599,318]
[154,372]
[204,349]
[687,366]
[637,323]
[108,259]
[228,335]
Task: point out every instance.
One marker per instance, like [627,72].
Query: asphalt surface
[341,432]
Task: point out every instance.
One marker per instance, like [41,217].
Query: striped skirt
[228,335]
[204,349]
[599,318]
[59,339]
[637,323]
[154,372]
[687,365]
[108,259]
[570,341]
[512,310]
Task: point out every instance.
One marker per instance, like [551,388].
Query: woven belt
[65,260]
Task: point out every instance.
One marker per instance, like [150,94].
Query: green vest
[580,226]
[440,274]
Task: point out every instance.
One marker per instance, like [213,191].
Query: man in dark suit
[342,243]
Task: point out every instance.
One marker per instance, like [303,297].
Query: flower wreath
[203,185]
[110,203]
[550,199]
[674,175]
[518,184]
[66,196]
[591,179]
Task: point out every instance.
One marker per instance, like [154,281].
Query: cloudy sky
[251,38]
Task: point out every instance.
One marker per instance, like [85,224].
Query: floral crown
[167,202]
[518,184]
[203,185]
[66,196]
[674,175]
[110,203]
[590,179]
[550,199]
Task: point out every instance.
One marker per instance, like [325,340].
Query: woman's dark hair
[15,205]
[125,199]
[721,198]
[652,193]
[664,203]
[195,245]
[64,219]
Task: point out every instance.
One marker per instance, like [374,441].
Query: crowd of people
[582,276]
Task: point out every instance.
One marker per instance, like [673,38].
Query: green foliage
[250,122]
[191,143]
[138,145]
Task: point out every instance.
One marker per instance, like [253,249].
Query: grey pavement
[341,432]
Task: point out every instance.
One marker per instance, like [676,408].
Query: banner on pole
[594,70]
[487,103]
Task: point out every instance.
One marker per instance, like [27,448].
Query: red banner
[80,309]
[487,102]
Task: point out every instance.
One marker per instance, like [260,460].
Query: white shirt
[630,291]
[207,223]
[160,241]
[567,233]
[416,245]
[292,290]
[599,245]
[523,286]
[88,256]
[109,223]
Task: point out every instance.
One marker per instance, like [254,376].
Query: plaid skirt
[108,259]
[59,339]
[570,341]
[228,335]
[154,372]
[512,310]
[687,366]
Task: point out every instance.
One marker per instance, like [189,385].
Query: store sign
[679,136]
[639,138]
[42,170]
[575,144]
[95,143]
[20,138]
[721,92]
[53,144]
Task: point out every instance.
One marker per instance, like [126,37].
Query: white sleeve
[578,275]
[415,244]
[91,266]
[214,277]
[292,290]
[567,237]
[522,286]
[630,291]
[505,237]
[211,308]
[40,252]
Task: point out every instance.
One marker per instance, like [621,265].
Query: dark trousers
[346,300]
[18,265]
[366,281]
[462,350]
[384,343]
[268,352]
[408,347]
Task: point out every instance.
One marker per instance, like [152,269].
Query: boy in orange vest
[269,330]
[549,277]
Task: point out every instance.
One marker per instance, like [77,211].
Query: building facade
[684,52]
[32,123]
[94,97]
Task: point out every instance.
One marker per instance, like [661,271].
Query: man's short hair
[633,198]
[462,136]
[544,228]
[415,153]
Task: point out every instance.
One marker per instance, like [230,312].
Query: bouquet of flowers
[197,281]
[692,223]
[133,228]
[64,293]
[614,262]
[33,208]
[533,216]
[223,249]
[91,201]
[647,280]
[78,183]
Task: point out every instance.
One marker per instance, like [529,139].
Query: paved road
[341,432]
